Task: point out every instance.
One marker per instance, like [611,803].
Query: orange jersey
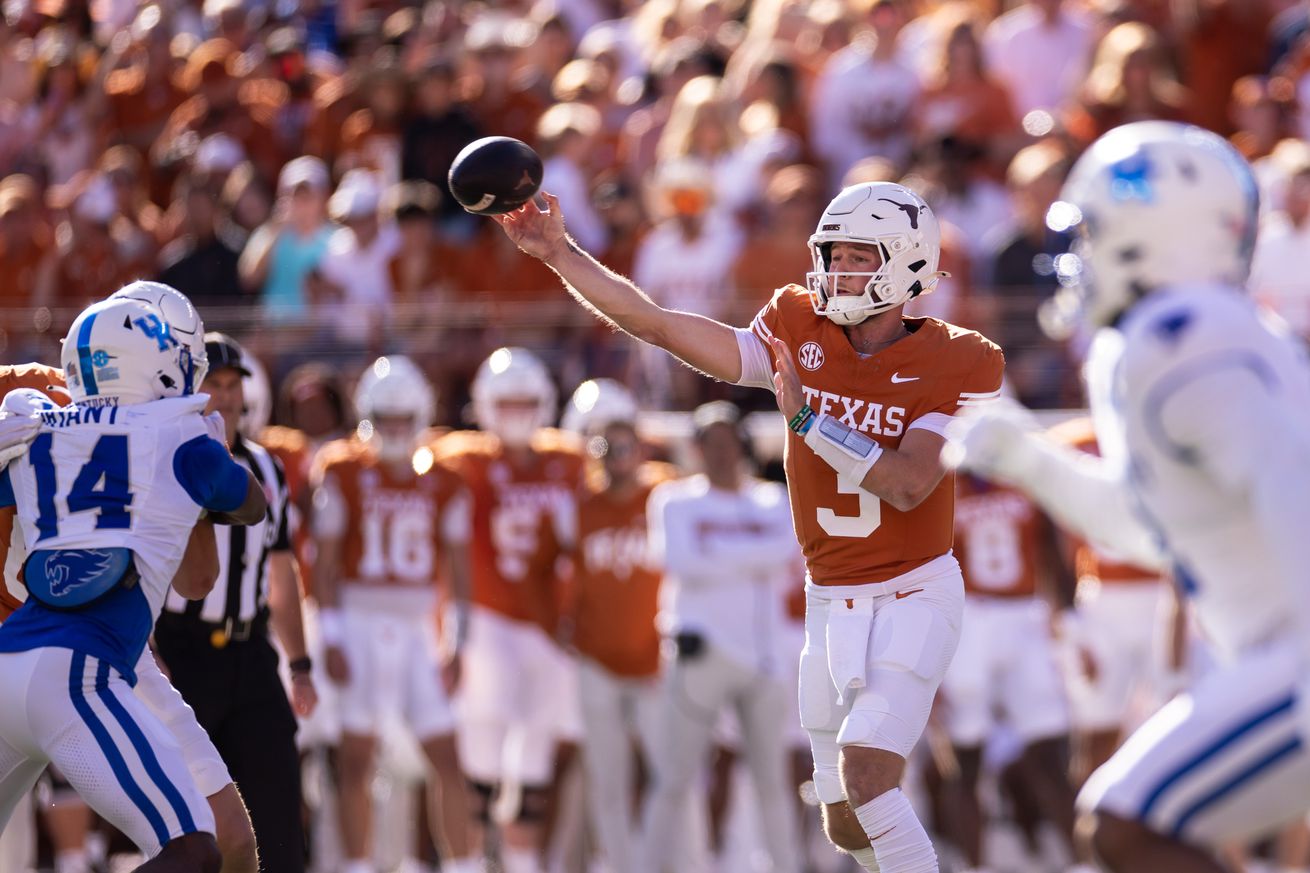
[43,379]
[998,539]
[849,536]
[393,531]
[296,453]
[523,519]
[615,590]
[1087,563]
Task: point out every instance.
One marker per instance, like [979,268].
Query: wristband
[331,626]
[302,664]
[846,450]
[803,420]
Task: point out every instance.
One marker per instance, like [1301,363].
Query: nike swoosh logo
[901,595]
[897,378]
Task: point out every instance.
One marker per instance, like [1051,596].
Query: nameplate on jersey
[69,579]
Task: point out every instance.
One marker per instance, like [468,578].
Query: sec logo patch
[810,356]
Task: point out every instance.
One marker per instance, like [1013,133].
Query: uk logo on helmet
[810,356]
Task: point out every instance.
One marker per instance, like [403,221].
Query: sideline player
[388,523]
[518,697]
[871,504]
[1202,411]
[99,578]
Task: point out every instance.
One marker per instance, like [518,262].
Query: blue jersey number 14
[108,463]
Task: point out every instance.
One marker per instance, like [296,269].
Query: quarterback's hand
[786,381]
[537,231]
[338,668]
[304,696]
[995,441]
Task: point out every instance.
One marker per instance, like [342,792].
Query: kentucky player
[107,494]
[1202,410]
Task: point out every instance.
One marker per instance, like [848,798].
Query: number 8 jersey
[848,535]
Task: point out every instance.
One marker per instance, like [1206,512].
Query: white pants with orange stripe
[76,712]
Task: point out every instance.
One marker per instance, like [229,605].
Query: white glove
[996,441]
[20,421]
[215,426]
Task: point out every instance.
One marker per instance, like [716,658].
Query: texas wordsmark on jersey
[524,519]
[43,379]
[614,588]
[998,539]
[1088,564]
[848,535]
[392,536]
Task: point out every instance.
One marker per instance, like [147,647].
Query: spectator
[674,66]
[25,241]
[862,101]
[1128,82]
[202,261]
[566,135]
[420,270]
[355,267]
[1262,111]
[1218,43]
[439,126]
[956,182]
[1039,52]
[962,100]
[57,129]
[371,135]
[137,222]
[143,91]
[773,254]
[282,256]
[1278,276]
[500,102]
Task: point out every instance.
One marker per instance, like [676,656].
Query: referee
[217,650]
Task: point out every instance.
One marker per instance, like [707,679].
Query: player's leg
[762,712]
[124,762]
[431,719]
[233,830]
[607,762]
[1217,766]
[357,765]
[357,753]
[692,693]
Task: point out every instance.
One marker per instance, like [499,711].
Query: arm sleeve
[756,361]
[207,472]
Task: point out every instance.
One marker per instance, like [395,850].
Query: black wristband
[301,665]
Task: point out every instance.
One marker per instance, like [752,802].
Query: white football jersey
[1204,402]
[105,477]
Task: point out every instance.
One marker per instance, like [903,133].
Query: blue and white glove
[1000,441]
[20,421]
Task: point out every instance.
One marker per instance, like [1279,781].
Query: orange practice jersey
[849,536]
[998,539]
[614,588]
[1087,563]
[523,519]
[393,524]
[43,379]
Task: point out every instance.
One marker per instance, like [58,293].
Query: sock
[519,860]
[72,861]
[865,858]
[899,841]
[357,865]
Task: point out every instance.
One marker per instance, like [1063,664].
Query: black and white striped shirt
[241,592]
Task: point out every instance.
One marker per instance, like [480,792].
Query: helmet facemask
[879,290]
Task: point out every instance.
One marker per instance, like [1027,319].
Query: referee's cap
[223,351]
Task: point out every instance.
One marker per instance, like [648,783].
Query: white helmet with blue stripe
[122,351]
[182,317]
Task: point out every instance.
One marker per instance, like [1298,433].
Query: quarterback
[867,394]
[1201,405]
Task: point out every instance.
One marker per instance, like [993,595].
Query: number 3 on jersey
[858,526]
[108,464]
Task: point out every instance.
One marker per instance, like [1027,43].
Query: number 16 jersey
[848,535]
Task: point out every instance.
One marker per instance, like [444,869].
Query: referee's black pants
[240,702]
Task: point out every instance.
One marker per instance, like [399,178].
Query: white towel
[849,624]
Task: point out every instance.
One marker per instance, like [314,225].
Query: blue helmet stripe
[84,356]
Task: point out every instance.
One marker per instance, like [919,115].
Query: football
[495,174]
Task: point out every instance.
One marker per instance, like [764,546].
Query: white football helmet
[187,325]
[258,395]
[394,385]
[1154,203]
[901,225]
[511,374]
[596,404]
[123,350]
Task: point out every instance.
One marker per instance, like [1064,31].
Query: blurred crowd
[284,163]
